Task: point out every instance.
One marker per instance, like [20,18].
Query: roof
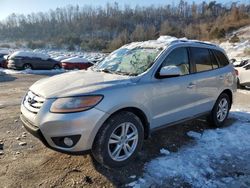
[30,54]
[166,41]
[75,60]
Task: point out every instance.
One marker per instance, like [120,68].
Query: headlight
[75,104]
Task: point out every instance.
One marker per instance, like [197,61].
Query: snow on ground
[214,159]
[45,72]
[236,50]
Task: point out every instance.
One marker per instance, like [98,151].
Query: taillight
[236,72]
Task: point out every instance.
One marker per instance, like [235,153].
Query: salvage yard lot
[25,162]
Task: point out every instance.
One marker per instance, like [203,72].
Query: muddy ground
[33,165]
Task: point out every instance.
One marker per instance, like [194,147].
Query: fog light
[68,141]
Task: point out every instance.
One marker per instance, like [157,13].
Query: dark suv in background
[32,60]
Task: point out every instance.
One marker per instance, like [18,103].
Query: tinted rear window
[202,59]
[223,61]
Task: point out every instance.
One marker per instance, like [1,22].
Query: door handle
[191,86]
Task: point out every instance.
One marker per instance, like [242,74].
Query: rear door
[207,76]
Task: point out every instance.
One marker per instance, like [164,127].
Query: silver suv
[141,87]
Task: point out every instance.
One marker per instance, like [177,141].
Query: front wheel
[119,140]
[220,111]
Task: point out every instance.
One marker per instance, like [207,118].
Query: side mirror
[170,71]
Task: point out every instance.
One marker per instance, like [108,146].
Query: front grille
[33,102]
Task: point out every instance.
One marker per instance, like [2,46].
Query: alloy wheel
[123,141]
[222,110]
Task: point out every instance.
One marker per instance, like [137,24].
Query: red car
[76,63]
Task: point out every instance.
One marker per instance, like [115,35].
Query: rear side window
[223,61]
[201,58]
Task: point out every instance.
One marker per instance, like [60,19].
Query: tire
[57,67]
[27,66]
[214,118]
[239,86]
[104,146]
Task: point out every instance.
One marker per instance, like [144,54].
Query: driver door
[174,97]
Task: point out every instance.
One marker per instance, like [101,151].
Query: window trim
[157,76]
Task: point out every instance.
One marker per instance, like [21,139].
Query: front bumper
[37,133]
[47,126]
[14,65]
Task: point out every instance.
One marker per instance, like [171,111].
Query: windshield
[128,61]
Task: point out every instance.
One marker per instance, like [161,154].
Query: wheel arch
[138,112]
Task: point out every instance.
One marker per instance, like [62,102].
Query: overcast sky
[29,6]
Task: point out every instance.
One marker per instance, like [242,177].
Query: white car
[243,74]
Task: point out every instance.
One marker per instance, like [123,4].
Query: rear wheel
[119,140]
[27,66]
[220,111]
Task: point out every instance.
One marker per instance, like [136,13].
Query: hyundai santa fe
[139,88]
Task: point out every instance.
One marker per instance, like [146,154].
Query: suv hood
[77,83]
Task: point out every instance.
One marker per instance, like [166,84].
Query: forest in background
[106,28]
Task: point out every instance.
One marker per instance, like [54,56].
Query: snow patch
[29,71]
[196,163]
[194,134]
[29,54]
[164,151]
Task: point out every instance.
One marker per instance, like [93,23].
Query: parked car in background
[3,55]
[31,60]
[139,88]
[243,71]
[240,63]
[76,63]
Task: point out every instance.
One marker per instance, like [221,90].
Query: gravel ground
[25,162]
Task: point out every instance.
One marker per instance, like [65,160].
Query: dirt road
[25,162]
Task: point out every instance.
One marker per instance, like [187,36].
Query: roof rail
[195,41]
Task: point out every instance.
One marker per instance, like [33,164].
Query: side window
[223,61]
[201,58]
[179,58]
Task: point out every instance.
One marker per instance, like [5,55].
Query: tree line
[109,27]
